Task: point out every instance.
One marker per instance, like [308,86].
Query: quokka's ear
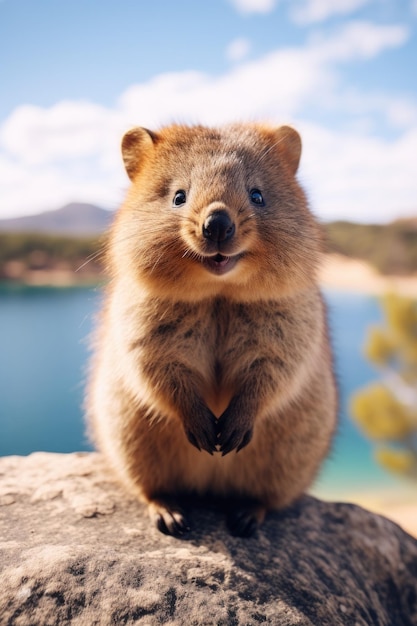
[288,143]
[134,145]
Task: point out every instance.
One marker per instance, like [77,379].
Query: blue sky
[76,74]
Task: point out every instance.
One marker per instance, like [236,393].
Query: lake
[43,359]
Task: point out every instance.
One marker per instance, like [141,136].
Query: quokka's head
[215,212]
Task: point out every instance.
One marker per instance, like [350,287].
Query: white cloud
[254,6]
[238,49]
[65,131]
[31,190]
[399,112]
[359,40]
[359,177]
[319,10]
[276,84]
[71,151]
[49,157]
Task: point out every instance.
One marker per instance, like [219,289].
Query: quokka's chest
[217,325]
[213,336]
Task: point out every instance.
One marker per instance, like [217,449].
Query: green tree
[386,411]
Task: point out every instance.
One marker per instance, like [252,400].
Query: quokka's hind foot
[243,516]
[244,519]
[169,517]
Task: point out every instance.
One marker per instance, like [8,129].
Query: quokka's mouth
[220,264]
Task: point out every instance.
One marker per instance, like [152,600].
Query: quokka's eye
[256,197]
[179,198]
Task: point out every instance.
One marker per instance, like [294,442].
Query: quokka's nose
[218,226]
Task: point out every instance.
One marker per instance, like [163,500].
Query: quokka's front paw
[201,430]
[169,517]
[235,429]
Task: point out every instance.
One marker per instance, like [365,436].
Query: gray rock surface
[75,549]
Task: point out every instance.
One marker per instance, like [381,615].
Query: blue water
[43,356]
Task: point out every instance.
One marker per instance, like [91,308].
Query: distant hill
[75,219]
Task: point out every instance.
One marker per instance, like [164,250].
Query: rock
[75,549]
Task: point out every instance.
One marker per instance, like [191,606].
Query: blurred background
[76,75]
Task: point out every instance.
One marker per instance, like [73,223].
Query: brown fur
[189,360]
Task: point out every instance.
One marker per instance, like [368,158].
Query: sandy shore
[340,273]
[404,514]
[398,505]
[402,511]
